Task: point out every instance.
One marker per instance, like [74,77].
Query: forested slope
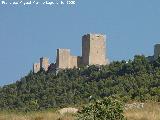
[136,79]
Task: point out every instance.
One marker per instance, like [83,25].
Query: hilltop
[137,79]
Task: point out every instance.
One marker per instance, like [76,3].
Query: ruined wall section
[73,61]
[44,63]
[65,59]
[36,67]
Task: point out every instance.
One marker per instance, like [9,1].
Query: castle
[93,53]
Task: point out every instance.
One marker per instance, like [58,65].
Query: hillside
[137,79]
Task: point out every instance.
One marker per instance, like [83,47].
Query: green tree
[107,109]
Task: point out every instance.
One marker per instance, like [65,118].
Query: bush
[107,109]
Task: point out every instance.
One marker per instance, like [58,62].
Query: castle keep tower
[44,63]
[94,49]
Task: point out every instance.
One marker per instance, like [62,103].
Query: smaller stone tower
[44,63]
[156,51]
[63,58]
[36,67]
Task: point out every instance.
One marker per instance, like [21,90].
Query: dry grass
[35,116]
[151,111]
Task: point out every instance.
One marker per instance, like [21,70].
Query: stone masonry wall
[97,54]
[63,58]
[44,63]
[85,49]
[73,61]
[36,67]
[93,49]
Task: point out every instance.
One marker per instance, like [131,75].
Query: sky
[29,32]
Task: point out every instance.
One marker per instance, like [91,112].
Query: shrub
[107,109]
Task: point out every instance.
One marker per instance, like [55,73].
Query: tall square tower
[94,49]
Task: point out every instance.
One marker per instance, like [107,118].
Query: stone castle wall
[44,63]
[65,60]
[36,67]
[73,61]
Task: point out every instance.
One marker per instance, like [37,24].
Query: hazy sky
[30,32]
